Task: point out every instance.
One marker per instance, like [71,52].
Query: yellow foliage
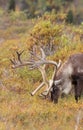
[44,33]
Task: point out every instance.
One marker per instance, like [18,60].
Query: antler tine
[44,61]
[59,64]
[19,54]
[42,53]
[55,69]
[34,55]
[13,61]
[33,66]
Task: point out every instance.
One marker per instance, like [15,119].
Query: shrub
[17,16]
[47,35]
[69,17]
[1,12]
[11,5]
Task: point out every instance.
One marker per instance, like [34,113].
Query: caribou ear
[57,82]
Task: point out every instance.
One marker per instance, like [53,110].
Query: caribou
[64,76]
[69,74]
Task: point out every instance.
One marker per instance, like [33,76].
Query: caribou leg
[76,82]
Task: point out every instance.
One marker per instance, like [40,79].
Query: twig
[78,118]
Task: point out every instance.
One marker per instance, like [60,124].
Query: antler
[43,61]
[39,62]
[19,63]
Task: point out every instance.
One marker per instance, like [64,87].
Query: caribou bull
[69,74]
[64,77]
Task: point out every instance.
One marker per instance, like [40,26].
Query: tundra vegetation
[18,109]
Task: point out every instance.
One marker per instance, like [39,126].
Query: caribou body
[69,74]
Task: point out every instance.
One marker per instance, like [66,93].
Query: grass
[18,110]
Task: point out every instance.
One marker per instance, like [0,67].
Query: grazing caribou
[69,74]
[64,77]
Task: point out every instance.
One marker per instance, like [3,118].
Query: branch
[78,119]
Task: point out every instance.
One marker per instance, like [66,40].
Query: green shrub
[69,17]
[1,12]
[17,16]
[11,5]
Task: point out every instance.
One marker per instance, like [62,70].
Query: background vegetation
[52,22]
